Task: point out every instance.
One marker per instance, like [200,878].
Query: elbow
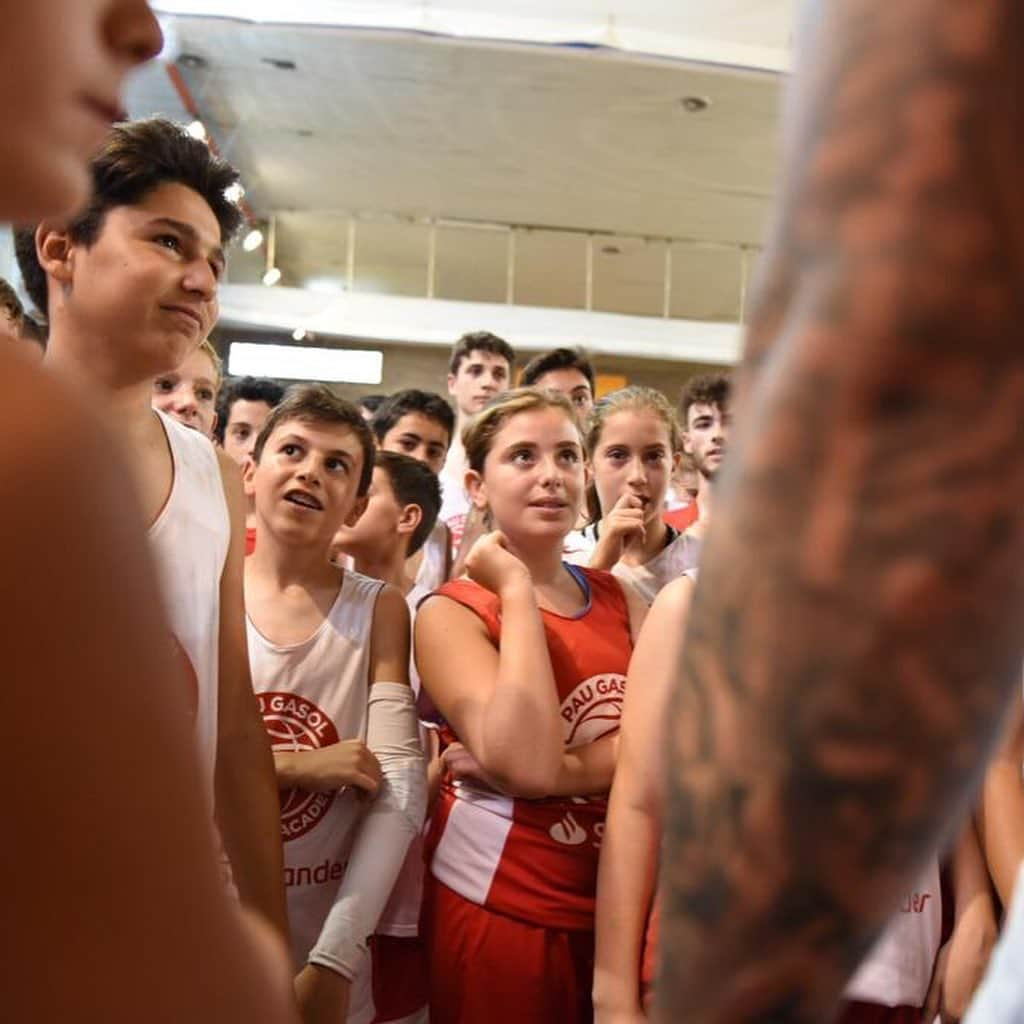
[523,776]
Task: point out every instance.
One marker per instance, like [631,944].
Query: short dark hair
[401,403]
[371,403]
[480,341]
[317,403]
[10,303]
[245,389]
[137,158]
[413,484]
[713,389]
[557,359]
[33,330]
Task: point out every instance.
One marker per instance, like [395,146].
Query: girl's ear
[476,489]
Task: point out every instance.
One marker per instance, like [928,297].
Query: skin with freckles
[856,633]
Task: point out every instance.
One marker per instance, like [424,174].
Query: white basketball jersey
[432,572]
[671,562]
[898,970]
[454,500]
[313,694]
[189,541]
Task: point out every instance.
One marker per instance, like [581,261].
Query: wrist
[516,584]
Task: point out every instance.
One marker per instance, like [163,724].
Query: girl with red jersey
[526,660]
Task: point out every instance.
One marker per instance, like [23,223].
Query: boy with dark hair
[243,408]
[12,314]
[244,405]
[404,500]
[330,658]
[130,287]
[416,423]
[480,368]
[706,418]
[566,370]
[421,424]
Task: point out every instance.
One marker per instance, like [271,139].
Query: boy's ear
[476,489]
[357,510]
[409,520]
[248,473]
[687,447]
[55,251]
[451,383]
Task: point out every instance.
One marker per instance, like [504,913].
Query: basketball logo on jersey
[294,723]
[593,709]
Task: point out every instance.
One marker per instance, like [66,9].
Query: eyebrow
[217,253]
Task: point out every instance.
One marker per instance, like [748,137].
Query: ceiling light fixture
[288,362]
[253,240]
[300,334]
[272,277]
[197,130]
[235,193]
[695,104]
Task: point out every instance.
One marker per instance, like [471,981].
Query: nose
[308,471]
[200,280]
[132,32]
[635,471]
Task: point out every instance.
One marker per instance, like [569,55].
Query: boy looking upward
[330,658]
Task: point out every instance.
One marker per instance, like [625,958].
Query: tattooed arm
[857,631]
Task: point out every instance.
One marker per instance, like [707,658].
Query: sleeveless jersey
[432,572]
[676,558]
[313,694]
[536,860]
[189,541]
[454,500]
[898,970]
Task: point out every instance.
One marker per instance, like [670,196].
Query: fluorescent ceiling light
[197,130]
[271,277]
[253,240]
[292,362]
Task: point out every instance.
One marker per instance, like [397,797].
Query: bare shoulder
[673,600]
[391,611]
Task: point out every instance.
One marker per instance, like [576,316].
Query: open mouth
[304,500]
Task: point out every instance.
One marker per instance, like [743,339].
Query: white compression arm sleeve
[395,817]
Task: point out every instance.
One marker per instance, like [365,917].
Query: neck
[284,566]
[128,405]
[544,563]
[705,487]
[389,567]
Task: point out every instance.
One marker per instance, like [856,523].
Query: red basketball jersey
[536,860]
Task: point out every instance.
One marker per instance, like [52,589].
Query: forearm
[1001,825]
[855,636]
[625,885]
[587,770]
[606,552]
[248,813]
[521,728]
[391,823]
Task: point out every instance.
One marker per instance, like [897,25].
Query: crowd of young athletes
[461,628]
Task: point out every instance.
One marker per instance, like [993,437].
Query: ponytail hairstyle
[634,398]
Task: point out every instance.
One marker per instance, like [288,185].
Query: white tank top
[672,561]
[432,571]
[898,970]
[189,541]
[313,694]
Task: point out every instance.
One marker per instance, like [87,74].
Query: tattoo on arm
[857,629]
